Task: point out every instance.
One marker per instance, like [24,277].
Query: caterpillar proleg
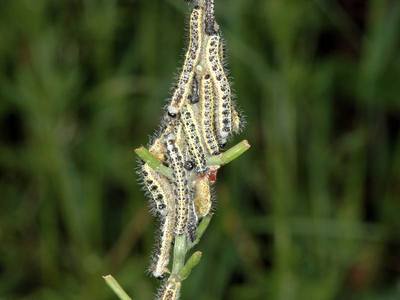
[207,114]
[193,138]
[191,59]
[180,183]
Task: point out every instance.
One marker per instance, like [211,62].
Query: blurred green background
[311,212]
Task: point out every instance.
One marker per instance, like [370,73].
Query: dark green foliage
[311,212]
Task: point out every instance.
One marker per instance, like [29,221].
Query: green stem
[201,229]
[217,160]
[190,264]
[229,155]
[180,249]
[153,162]
[118,290]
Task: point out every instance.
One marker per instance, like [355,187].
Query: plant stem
[118,290]
[229,155]
[190,264]
[201,229]
[180,249]
[153,162]
[217,160]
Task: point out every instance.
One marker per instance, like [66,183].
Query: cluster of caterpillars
[199,119]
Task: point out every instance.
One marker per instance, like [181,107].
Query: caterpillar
[222,90]
[170,291]
[191,59]
[202,200]
[161,258]
[159,190]
[180,184]
[193,138]
[207,114]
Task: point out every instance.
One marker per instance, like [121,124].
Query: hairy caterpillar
[170,291]
[161,258]
[193,138]
[222,90]
[191,58]
[207,114]
[180,184]
[202,200]
[159,190]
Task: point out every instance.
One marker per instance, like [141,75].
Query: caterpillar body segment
[222,90]
[180,183]
[207,115]
[159,190]
[193,137]
[202,200]
[161,257]
[191,59]
[170,291]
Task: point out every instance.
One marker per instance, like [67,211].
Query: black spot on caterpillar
[193,138]
[191,59]
[207,114]
[189,165]
[222,90]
